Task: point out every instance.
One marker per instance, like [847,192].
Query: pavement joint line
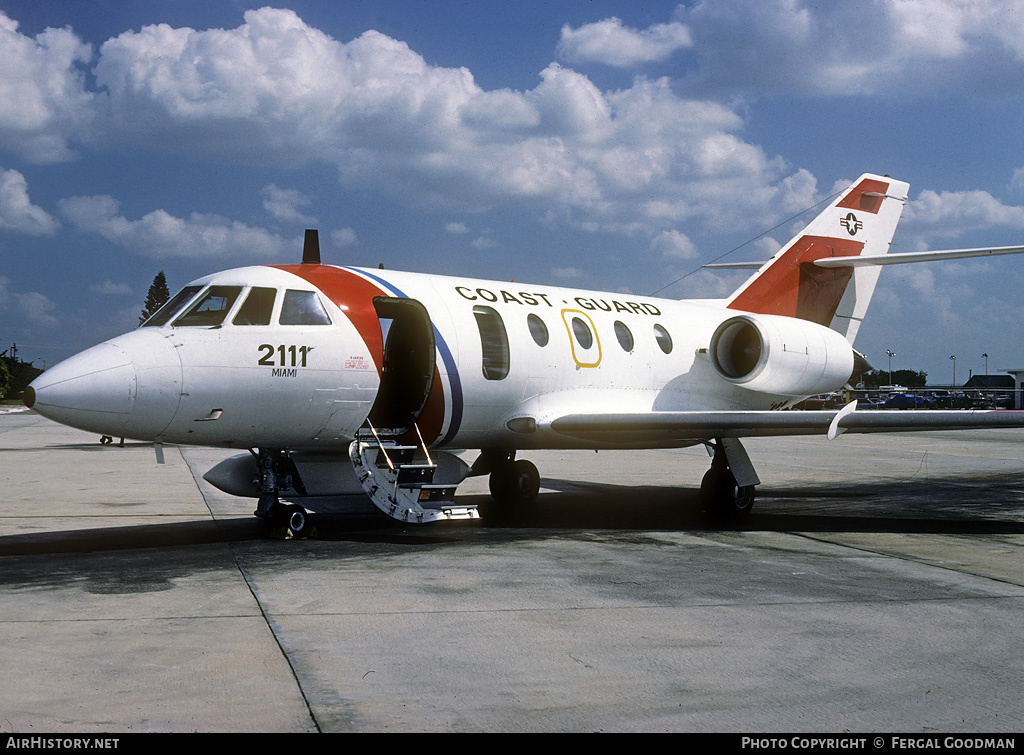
[259,605]
[135,619]
[909,559]
[662,606]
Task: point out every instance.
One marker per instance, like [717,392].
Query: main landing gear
[727,490]
[277,472]
[514,484]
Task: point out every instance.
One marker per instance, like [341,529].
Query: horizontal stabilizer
[907,257]
[902,258]
[679,427]
[735,265]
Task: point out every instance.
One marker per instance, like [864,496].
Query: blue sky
[606,145]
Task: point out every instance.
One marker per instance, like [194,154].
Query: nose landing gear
[277,472]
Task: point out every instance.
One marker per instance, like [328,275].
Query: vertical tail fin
[861,221]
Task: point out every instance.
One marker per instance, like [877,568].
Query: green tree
[15,375]
[156,298]
[5,378]
[907,378]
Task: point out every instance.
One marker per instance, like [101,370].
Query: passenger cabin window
[303,308]
[493,343]
[257,307]
[211,308]
[664,339]
[583,335]
[170,309]
[623,334]
[538,329]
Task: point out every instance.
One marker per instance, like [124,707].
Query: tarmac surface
[878,586]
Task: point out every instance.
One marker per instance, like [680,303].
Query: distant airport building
[1017,376]
[991,382]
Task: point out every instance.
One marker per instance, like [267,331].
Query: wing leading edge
[670,428]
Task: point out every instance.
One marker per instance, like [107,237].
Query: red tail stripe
[795,288]
[857,200]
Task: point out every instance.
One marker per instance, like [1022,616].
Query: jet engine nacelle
[781,355]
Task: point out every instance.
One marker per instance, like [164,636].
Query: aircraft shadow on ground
[993,505]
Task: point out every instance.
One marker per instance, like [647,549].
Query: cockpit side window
[257,307]
[303,308]
[170,309]
[211,308]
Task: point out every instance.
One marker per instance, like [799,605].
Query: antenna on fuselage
[311,248]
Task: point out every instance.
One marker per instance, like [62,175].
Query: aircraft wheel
[297,520]
[723,497]
[518,482]
[288,516]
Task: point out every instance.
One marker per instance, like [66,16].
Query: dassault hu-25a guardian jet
[341,379]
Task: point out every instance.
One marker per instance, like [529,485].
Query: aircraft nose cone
[93,390]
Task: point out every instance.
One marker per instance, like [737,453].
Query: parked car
[906,401]
[970,400]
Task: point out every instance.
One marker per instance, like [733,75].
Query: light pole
[953,357]
[985,357]
[890,354]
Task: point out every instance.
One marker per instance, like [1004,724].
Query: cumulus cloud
[951,213]
[344,237]
[43,102]
[32,306]
[109,288]
[673,245]
[275,89]
[1017,180]
[161,235]
[285,204]
[613,44]
[484,243]
[567,273]
[911,46]
[17,213]
[639,159]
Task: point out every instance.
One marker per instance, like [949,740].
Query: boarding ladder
[400,478]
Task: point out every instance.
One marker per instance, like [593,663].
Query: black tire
[722,497]
[516,483]
[296,520]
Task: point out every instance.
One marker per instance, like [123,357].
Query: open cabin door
[392,462]
[408,365]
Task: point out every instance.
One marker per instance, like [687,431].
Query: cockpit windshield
[168,310]
[303,308]
[257,308]
[211,308]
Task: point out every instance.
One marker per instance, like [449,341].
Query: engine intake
[781,355]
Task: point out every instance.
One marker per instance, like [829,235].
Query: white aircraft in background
[340,379]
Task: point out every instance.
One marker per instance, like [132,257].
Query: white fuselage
[309,386]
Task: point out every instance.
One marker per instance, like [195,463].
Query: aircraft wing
[672,427]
